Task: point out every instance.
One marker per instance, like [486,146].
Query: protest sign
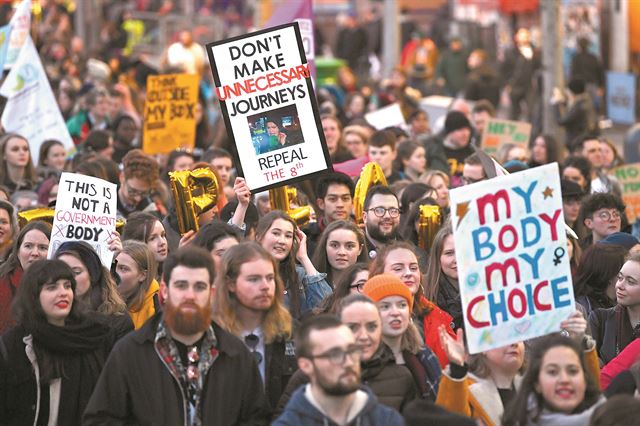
[263,82]
[389,116]
[31,110]
[511,253]
[498,132]
[169,113]
[20,28]
[85,211]
[621,100]
[629,178]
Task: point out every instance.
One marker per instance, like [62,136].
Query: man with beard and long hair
[381,218]
[180,367]
[329,356]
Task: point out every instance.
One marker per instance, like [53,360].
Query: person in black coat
[51,361]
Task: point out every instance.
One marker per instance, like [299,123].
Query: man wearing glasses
[329,356]
[138,178]
[602,213]
[381,218]
[180,367]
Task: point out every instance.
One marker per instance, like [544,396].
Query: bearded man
[381,217]
[180,367]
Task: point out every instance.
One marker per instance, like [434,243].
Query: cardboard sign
[31,110]
[263,82]
[169,113]
[513,263]
[389,116]
[629,178]
[499,132]
[85,211]
[621,100]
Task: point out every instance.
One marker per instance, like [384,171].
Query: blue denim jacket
[314,288]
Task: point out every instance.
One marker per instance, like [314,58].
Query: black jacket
[137,389]
[281,364]
[612,331]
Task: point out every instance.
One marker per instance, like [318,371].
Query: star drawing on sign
[548,192]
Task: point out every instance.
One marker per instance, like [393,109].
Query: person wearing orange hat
[395,301]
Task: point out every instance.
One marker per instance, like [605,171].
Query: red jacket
[431,323]
[622,362]
[8,289]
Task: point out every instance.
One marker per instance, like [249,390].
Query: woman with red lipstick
[304,286]
[399,259]
[341,245]
[52,359]
[31,244]
[16,166]
[560,386]
[394,301]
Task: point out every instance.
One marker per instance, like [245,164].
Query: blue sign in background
[621,97]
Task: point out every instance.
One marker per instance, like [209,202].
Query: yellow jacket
[478,398]
[139,315]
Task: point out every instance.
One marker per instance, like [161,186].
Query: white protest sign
[31,110]
[21,26]
[264,86]
[389,116]
[512,257]
[306,31]
[85,211]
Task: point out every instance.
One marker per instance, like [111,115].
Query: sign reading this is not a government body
[263,82]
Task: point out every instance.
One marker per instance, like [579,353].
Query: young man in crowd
[138,178]
[382,150]
[334,197]
[482,112]
[602,216]
[456,143]
[222,162]
[328,354]
[589,147]
[180,367]
[381,218]
[473,170]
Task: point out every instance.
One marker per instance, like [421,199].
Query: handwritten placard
[629,178]
[499,132]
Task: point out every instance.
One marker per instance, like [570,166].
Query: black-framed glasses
[381,211]
[136,192]
[358,285]
[337,356]
[251,340]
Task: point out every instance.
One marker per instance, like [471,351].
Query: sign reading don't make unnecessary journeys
[263,82]
[512,257]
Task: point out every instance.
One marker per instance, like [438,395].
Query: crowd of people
[257,317]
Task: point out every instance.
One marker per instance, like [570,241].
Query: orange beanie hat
[381,286]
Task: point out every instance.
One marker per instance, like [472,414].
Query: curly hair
[140,166]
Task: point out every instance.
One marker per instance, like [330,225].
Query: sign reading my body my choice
[264,86]
[85,211]
[512,257]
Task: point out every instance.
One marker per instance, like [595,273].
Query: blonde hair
[277,321]
[140,253]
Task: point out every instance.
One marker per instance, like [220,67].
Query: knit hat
[621,239]
[570,190]
[455,120]
[86,254]
[381,286]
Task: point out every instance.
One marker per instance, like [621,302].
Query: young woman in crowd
[578,169]
[410,228]
[483,385]
[545,150]
[394,301]
[96,291]
[147,228]
[52,157]
[178,160]
[356,139]
[333,135]
[595,281]
[351,281]
[412,193]
[16,168]
[54,356]
[304,286]
[399,259]
[249,303]
[614,328]
[136,272]
[442,276]
[31,244]
[560,386]
[8,228]
[341,245]
[411,160]
[217,237]
[440,182]
[610,156]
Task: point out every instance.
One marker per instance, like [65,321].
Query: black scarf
[76,353]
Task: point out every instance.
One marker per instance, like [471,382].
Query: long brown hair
[277,321]
[140,253]
[434,269]
[320,260]
[29,171]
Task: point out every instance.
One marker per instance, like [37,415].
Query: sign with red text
[263,82]
[629,178]
[511,253]
[85,211]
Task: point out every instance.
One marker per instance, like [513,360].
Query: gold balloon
[46,214]
[429,223]
[371,175]
[194,192]
[280,199]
